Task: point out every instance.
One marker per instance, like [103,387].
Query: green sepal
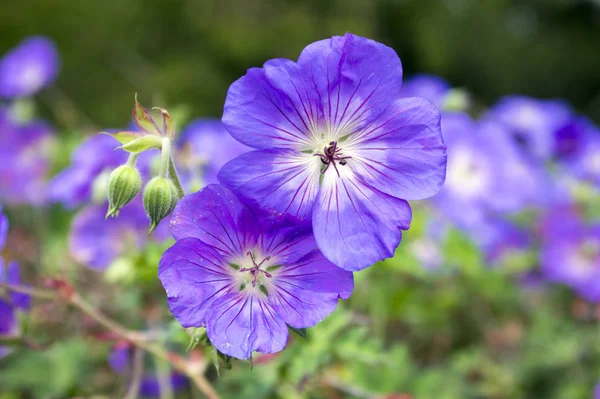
[144,120]
[142,144]
[124,137]
[168,127]
[302,332]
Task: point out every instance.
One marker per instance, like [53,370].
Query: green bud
[160,199]
[124,183]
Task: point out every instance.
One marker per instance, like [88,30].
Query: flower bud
[124,183]
[160,199]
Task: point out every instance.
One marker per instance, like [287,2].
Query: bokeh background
[442,319]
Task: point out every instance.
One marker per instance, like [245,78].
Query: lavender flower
[203,147]
[28,68]
[25,160]
[335,144]
[571,256]
[532,123]
[244,275]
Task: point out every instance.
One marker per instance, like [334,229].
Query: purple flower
[584,163]
[430,87]
[335,144]
[486,173]
[245,276]
[203,147]
[25,160]
[532,123]
[96,242]
[120,361]
[571,256]
[597,392]
[28,68]
[73,186]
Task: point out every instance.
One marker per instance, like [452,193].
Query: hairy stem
[175,177]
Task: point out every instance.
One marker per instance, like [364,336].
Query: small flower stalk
[162,192]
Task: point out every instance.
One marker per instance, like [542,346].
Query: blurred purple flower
[11,274]
[570,254]
[73,186]
[25,160]
[532,123]
[203,147]
[597,391]
[335,143]
[120,361]
[430,87]
[486,173]
[28,68]
[585,162]
[96,242]
[245,276]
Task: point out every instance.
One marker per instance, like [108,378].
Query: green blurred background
[189,51]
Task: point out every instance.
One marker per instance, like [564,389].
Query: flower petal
[194,276]
[216,216]
[284,180]
[273,106]
[356,225]
[402,153]
[3,228]
[240,324]
[306,291]
[356,78]
[8,323]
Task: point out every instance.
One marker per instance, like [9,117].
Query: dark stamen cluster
[256,270]
[330,156]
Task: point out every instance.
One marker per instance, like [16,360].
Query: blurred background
[493,292]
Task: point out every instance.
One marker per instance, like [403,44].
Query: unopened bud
[124,183]
[160,199]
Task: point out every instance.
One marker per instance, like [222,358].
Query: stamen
[330,156]
[255,270]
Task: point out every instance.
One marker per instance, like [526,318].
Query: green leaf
[143,119]
[124,137]
[299,331]
[142,144]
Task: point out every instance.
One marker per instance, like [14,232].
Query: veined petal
[306,291]
[402,153]
[194,276]
[356,225]
[284,180]
[272,107]
[239,324]
[356,79]
[216,216]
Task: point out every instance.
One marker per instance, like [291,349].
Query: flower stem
[165,157]
[175,177]
[132,159]
[193,370]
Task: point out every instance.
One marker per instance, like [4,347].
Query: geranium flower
[570,254]
[245,276]
[430,87]
[335,144]
[28,68]
[25,160]
[531,122]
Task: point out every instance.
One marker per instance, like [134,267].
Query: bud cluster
[161,194]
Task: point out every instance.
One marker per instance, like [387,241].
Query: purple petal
[150,386]
[203,147]
[194,275]
[28,68]
[284,180]
[119,358]
[3,228]
[8,322]
[402,153]
[356,78]
[97,242]
[356,225]
[217,217]
[13,277]
[429,87]
[306,291]
[239,324]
